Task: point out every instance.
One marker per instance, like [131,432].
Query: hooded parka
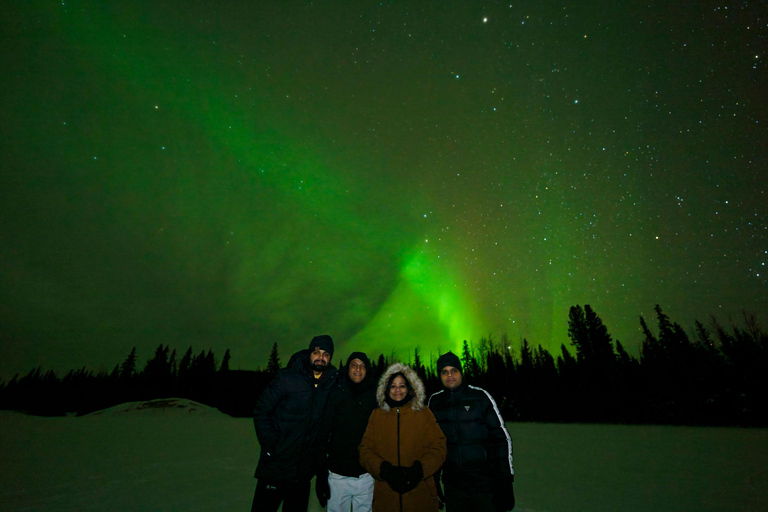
[287,418]
[402,436]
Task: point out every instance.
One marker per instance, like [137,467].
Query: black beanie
[324,342]
[361,356]
[448,359]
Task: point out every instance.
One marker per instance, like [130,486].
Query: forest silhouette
[713,376]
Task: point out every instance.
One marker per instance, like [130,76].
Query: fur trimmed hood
[414,383]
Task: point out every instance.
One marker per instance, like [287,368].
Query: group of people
[379,444]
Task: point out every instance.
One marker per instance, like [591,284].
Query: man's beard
[319,367]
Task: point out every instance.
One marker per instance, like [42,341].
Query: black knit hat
[361,356]
[448,359]
[324,342]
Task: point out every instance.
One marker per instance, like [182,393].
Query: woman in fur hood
[403,446]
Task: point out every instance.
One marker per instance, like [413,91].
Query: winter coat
[287,418]
[401,436]
[479,446]
[344,423]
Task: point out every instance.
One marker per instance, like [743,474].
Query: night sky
[394,174]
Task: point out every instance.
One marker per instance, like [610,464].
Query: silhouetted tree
[596,362]
[495,376]
[524,401]
[594,347]
[544,385]
[128,368]
[418,367]
[569,394]
[745,353]
[381,364]
[673,392]
[225,362]
[173,364]
[158,374]
[468,361]
[273,365]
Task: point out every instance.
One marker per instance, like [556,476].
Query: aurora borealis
[394,174]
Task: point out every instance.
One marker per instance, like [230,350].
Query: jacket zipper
[398,453]
[454,403]
[398,436]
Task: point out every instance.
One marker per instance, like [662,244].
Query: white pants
[350,490]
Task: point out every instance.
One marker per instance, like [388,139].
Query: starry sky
[395,174]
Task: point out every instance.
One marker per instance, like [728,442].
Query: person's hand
[394,476]
[413,476]
[504,497]
[322,488]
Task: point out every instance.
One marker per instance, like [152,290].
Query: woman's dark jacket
[479,446]
[287,417]
[346,417]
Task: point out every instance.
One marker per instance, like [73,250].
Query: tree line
[198,377]
[712,376]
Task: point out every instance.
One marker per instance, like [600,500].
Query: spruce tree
[273,366]
[128,368]
[225,362]
[468,361]
[381,364]
[185,364]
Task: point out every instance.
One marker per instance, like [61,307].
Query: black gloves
[394,476]
[504,497]
[413,475]
[401,479]
[322,489]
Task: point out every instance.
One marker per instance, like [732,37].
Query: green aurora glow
[228,176]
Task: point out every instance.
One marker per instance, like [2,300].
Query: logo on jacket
[466,408]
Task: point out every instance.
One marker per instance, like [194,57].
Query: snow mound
[160,407]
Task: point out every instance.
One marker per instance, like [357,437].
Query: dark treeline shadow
[715,376]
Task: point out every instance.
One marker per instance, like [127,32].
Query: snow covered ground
[182,456]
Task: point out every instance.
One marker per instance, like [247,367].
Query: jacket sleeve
[369,456]
[264,418]
[435,456]
[499,447]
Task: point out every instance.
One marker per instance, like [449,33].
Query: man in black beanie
[320,354]
[341,480]
[477,473]
[287,416]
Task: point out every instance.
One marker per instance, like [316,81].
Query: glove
[413,476]
[322,488]
[504,497]
[394,476]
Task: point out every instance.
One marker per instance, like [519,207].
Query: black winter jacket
[345,421]
[479,446]
[287,417]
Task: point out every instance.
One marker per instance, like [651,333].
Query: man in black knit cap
[341,480]
[287,417]
[477,473]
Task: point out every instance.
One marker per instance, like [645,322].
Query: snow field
[185,457]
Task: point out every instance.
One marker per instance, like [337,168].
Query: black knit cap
[361,356]
[448,359]
[324,342]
